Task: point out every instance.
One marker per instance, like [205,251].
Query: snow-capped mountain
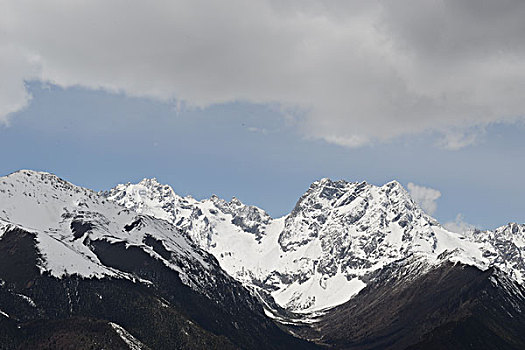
[194,217]
[213,270]
[504,247]
[323,252]
[73,253]
[67,218]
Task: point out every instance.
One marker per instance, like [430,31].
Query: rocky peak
[338,205]
[147,188]
[236,202]
[504,247]
[151,182]
[515,229]
[149,197]
[247,217]
[328,190]
[197,218]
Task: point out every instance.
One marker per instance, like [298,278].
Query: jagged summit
[337,205]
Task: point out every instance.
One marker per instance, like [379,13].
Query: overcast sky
[259,98]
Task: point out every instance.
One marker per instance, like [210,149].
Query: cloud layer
[426,197]
[351,72]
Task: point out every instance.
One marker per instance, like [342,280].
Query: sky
[257,99]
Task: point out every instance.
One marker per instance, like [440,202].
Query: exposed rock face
[248,218]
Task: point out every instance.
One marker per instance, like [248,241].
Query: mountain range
[353,266]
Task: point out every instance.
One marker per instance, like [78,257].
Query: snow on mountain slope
[66,219]
[320,254]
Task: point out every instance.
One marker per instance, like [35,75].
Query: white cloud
[360,71]
[424,196]
[459,225]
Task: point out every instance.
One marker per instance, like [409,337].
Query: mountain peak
[393,184]
[28,172]
[235,201]
[150,182]
[35,176]
[327,182]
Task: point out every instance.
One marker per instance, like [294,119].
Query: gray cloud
[358,72]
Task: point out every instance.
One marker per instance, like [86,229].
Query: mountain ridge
[386,225]
[95,259]
[347,251]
